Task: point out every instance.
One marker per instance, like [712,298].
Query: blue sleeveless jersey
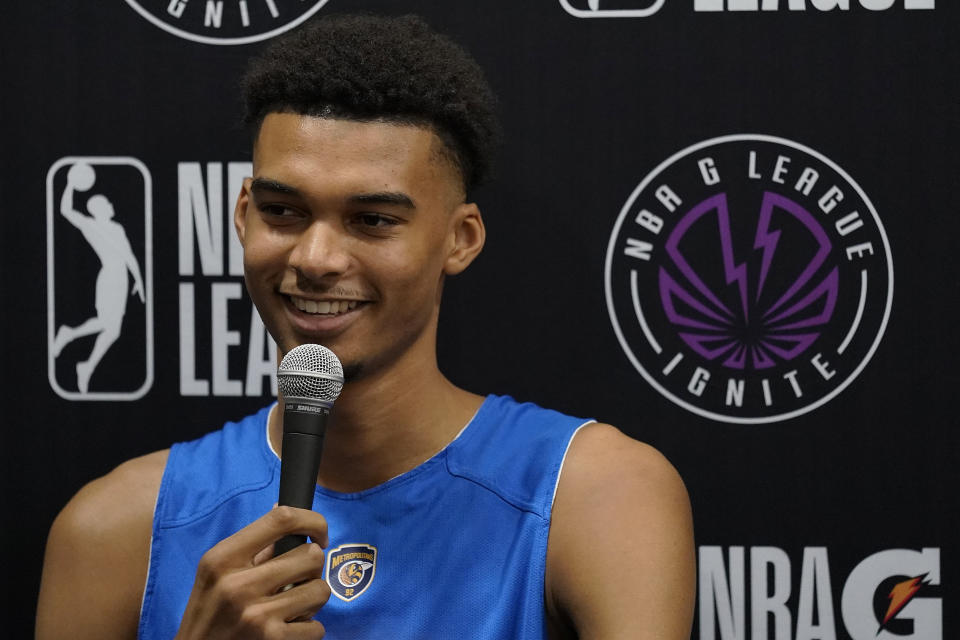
[455,548]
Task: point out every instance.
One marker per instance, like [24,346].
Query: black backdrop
[804,524]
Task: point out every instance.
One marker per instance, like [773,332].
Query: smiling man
[438,513]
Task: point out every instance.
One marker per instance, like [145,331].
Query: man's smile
[322,319]
[324,307]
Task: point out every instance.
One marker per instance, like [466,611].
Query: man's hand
[239,591]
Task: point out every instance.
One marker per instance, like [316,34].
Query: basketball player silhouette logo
[118,266]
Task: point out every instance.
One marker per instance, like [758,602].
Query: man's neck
[385,425]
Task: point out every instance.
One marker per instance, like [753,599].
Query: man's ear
[467,235]
[240,210]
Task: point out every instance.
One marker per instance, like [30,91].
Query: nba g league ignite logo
[749,279]
[226,22]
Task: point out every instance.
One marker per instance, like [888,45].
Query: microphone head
[310,372]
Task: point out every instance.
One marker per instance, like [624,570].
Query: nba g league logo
[749,279]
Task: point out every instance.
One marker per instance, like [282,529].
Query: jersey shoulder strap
[515,450]
[203,474]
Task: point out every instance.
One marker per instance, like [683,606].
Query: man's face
[348,229]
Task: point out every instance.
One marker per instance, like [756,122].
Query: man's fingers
[289,610]
[263,555]
[272,618]
[306,630]
[303,601]
[242,549]
[238,582]
[298,565]
[271,527]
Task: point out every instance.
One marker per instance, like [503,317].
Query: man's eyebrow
[396,198]
[266,184]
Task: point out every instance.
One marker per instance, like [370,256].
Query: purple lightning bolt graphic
[752,335]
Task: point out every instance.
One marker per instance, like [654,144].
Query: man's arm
[97,558]
[620,560]
[97,555]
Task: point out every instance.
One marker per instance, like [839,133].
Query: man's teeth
[324,306]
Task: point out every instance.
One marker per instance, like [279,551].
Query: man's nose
[321,251]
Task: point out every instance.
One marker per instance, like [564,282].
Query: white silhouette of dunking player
[109,241]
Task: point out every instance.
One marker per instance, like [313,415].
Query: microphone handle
[303,429]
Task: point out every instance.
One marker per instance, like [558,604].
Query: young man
[444,514]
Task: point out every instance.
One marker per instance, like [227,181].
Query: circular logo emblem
[226,21]
[749,279]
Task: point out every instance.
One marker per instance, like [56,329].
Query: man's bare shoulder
[608,475]
[127,493]
[97,554]
[601,453]
[621,509]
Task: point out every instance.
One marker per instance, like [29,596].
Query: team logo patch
[226,22]
[749,279]
[350,569]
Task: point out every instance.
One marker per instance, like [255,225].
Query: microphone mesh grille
[310,371]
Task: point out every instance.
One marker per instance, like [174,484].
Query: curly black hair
[367,68]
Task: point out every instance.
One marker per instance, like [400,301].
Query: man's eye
[278,210]
[375,220]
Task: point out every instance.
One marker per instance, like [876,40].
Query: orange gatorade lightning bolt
[900,595]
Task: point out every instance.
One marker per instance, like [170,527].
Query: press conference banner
[726,226]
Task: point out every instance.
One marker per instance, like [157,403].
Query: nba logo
[612,8]
[99,278]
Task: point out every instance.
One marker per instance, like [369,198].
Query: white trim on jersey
[564,459]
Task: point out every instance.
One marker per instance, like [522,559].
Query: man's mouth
[324,307]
